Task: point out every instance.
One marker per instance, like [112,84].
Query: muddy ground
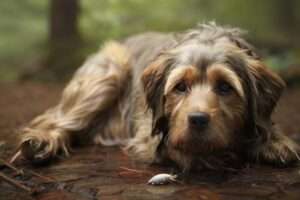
[106,173]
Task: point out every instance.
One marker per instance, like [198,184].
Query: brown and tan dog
[180,97]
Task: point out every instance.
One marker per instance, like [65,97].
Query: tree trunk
[64,40]
[63,20]
[64,44]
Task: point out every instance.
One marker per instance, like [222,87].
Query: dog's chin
[188,150]
[194,154]
[199,143]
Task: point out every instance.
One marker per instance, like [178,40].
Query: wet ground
[106,173]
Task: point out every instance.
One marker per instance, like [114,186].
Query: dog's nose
[199,119]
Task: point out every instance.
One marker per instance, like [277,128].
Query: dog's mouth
[203,154]
[205,149]
[195,145]
[203,143]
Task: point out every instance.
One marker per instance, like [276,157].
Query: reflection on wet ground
[107,173]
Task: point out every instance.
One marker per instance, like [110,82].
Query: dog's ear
[265,88]
[268,88]
[153,79]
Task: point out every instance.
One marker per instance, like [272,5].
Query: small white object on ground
[162,179]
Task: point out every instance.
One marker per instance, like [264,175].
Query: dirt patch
[95,173]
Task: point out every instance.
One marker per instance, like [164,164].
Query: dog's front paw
[41,147]
[282,151]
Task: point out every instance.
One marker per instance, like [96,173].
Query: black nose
[198,119]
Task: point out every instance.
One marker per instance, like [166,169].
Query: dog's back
[179,97]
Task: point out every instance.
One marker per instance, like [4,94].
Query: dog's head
[208,93]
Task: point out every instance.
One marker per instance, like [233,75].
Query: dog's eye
[223,88]
[181,87]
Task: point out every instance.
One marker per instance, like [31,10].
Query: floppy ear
[268,88]
[153,79]
[271,146]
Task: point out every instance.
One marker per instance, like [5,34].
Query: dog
[184,98]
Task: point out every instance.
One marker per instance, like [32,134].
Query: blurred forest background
[49,39]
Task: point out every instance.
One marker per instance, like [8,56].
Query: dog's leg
[93,89]
[278,150]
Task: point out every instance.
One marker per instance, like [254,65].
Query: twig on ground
[135,170]
[10,166]
[15,183]
[15,156]
[42,177]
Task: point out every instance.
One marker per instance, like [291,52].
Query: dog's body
[180,97]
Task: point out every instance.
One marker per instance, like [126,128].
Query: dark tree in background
[64,45]
[64,39]
[274,27]
[63,20]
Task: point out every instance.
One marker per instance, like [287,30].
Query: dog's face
[207,95]
[205,107]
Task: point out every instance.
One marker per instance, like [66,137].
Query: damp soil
[94,172]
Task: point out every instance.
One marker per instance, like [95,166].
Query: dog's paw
[39,148]
[281,152]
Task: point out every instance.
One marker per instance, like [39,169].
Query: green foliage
[101,20]
[24,29]
[23,32]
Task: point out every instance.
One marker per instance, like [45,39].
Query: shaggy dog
[189,98]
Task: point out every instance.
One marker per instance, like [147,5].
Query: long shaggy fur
[140,93]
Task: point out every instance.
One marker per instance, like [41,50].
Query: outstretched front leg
[94,88]
[278,150]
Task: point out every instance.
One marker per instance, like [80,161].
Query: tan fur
[93,89]
[219,71]
[141,93]
[201,98]
[185,73]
